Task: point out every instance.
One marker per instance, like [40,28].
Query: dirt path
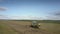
[22,29]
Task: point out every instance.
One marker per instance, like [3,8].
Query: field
[22,27]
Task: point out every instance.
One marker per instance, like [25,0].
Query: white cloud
[25,17]
[20,17]
[52,18]
[29,17]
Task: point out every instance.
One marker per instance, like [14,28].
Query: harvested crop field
[22,27]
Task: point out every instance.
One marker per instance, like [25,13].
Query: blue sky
[29,8]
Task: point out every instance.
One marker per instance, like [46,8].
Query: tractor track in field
[21,29]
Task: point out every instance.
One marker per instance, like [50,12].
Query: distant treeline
[40,21]
[50,21]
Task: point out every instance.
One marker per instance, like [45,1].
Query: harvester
[35,24]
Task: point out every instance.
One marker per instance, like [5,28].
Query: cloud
[25,17]
[3,17]
[52,18]
[29,17]
[20,17]
[3,8]
[55,15]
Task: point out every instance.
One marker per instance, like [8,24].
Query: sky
[30,9]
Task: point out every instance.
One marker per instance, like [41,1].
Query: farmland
[19,27]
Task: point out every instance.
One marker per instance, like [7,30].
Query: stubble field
[22,27]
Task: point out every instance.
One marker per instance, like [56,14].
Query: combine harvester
[35,24]
[35,28]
